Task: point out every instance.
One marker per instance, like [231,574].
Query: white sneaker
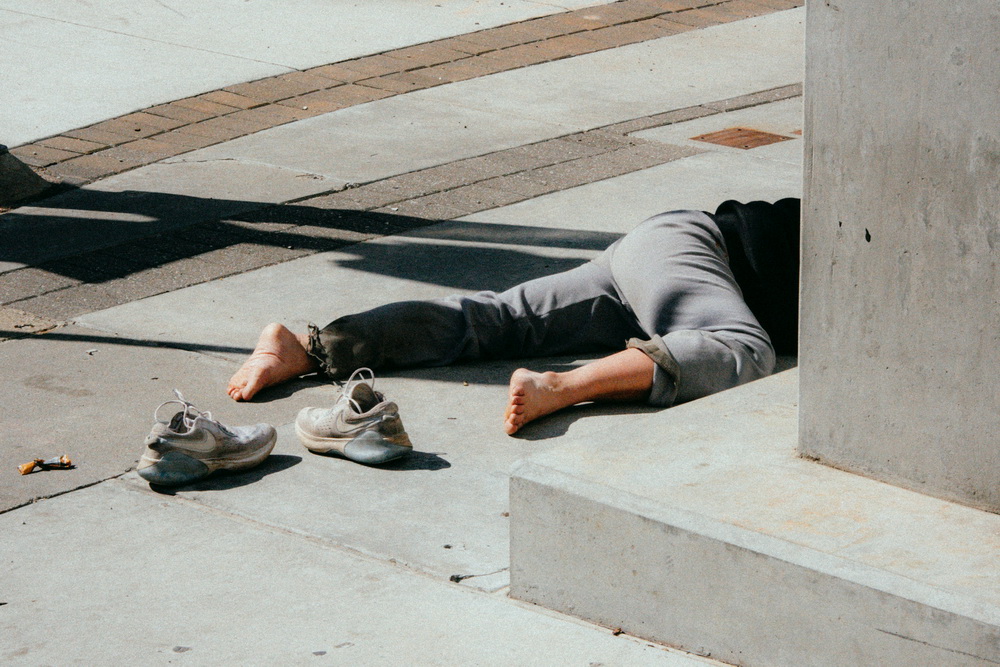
[192,445]
[361,426]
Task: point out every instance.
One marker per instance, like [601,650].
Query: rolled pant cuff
[666,373]
[318,351]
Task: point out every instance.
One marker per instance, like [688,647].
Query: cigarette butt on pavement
[56,463]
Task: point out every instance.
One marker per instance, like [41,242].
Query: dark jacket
[763,244]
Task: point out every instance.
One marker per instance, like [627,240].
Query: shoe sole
[368,447]
[175,468]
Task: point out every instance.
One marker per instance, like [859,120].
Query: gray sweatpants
[664,288]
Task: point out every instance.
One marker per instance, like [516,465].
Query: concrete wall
[900,322]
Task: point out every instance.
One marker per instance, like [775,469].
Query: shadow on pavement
[223,481]
[458,267]
[131,342]
[287,389]
[96,236]
[558,423]
[417,461]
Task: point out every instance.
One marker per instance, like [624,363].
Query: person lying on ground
[688,304]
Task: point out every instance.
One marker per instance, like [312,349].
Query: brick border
[147,136]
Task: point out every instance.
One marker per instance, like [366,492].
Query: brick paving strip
[39,298]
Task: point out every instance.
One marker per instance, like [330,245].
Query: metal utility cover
[741,137]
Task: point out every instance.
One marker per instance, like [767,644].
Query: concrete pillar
[900,319]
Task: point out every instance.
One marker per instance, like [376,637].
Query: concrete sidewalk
[528,154]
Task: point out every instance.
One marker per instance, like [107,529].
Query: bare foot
[534,395]
[280,355]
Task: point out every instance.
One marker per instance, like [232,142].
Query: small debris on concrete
[181,649]
[91,352]
[617,631]
[57,463]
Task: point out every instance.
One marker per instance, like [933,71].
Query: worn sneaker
[192,445]
[361,426]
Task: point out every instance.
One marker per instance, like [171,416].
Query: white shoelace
[190,413]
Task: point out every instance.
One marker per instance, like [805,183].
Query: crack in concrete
[169,8]
[62,493]
[155,41]
[943,648]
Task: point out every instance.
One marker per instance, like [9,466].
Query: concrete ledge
[716,538]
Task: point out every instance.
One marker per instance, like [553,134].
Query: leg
[673,272]
[280,355]
[573,311]
[623,376]
[570,312]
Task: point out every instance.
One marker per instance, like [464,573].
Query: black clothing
[763,244]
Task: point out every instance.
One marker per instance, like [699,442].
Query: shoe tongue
[364,396]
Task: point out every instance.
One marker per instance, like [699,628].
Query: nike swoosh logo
[347,428]
[203,443]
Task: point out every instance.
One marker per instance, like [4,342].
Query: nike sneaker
[191,445]
[361,426]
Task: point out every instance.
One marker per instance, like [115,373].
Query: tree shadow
[96,236]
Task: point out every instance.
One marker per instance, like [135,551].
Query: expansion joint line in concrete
[269,234]
[61,493]
[156,133]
